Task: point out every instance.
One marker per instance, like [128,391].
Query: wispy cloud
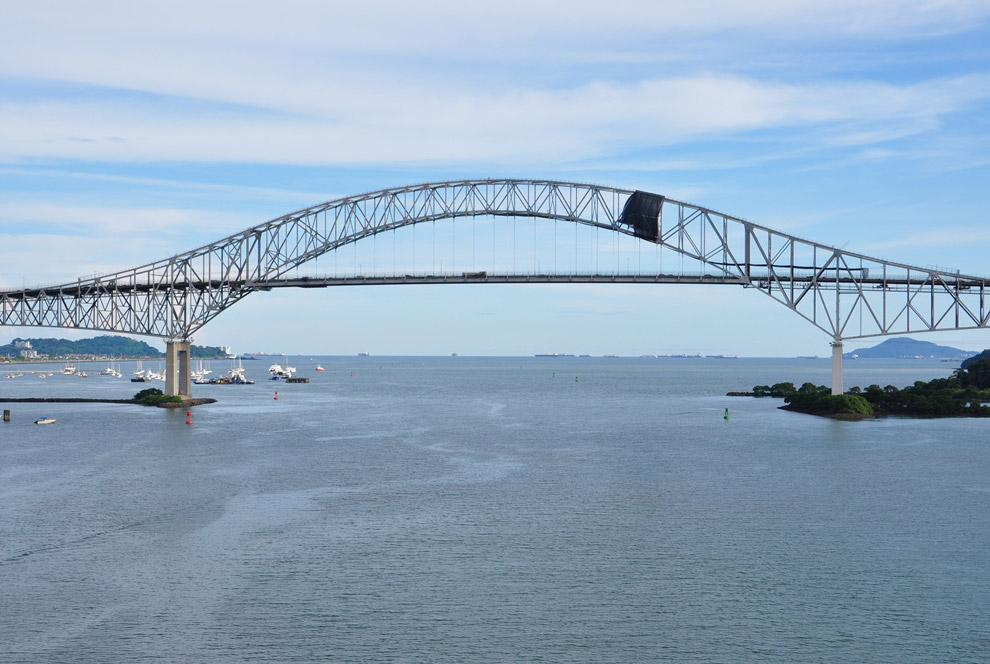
[943,236]
[82,220]
[209,188]
[309,86]
[411,124]
[38,258]
[244,37]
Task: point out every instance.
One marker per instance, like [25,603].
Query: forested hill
[103,346]
[905,347]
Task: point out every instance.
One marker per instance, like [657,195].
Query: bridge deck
[828,282]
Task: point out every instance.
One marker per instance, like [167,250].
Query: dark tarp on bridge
[642,213]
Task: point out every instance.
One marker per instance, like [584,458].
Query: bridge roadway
[755,280]
[761,281]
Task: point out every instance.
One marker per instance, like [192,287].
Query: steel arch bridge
[845,294]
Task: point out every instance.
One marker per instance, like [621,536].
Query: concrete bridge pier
[837,387]
[178,378]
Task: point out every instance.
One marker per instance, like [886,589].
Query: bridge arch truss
[846,294]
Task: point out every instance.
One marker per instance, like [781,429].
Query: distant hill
[905,347]
[976,358]
[104,346]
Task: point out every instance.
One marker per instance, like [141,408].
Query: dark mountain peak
[906,347]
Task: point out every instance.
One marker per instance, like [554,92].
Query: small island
[964,394]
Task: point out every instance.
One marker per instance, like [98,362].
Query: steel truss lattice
[845,294]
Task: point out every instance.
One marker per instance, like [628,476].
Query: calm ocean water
[492,510]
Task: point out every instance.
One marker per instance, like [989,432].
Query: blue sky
[131,131]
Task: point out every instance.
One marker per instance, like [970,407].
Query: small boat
[235,376]
[319,368]
[279,373]
[364,353]
[45,420]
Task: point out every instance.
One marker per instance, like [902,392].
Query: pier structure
[837,383]
[178,368]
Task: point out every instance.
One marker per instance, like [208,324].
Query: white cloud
[36,259]
[115,221]
[50,243]
[942,236]
[373,125]
[147,36]
[389,82]
[190,186]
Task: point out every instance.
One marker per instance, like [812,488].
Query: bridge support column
[837,387]
[178,378]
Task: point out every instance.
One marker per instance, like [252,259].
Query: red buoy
[188,417]
[276,395]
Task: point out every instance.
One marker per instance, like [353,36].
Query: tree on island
[960,395]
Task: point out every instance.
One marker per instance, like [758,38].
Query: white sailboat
[278,372]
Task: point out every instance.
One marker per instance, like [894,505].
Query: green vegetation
[207,352]
[833,404]
[985,355]
[961,395]
[153,397]
[105,346]
[817,399]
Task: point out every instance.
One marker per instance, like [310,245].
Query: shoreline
[848,417]
[63,361]
[133,402]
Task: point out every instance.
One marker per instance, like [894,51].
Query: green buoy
[726,416]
